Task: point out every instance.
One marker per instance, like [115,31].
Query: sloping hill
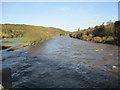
[36,33]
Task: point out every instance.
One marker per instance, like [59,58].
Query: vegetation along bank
[109,33]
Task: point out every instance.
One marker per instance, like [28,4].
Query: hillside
[36,33]
[108,33]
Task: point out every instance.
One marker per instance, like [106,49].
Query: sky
[65,15]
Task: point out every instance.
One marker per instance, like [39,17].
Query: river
[64,62]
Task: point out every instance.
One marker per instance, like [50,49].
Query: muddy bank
[62,63]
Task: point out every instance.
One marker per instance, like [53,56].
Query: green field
[18,40]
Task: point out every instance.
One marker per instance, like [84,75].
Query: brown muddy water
[64,62]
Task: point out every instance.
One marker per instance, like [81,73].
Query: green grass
[18,40]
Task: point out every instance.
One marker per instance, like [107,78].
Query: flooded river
[64,62]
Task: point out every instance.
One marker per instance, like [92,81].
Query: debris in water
[110,54]
[97,50]
[114,67]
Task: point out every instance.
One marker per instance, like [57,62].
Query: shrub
[97,39]
[104,39]
[110,38]
[84,37]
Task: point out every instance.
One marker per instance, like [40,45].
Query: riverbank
[35,33]
[109,34]
[12,44]
[97,39]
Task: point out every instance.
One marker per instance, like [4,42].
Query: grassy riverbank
[5,46]
[18,40]
[109,33]
[34,33]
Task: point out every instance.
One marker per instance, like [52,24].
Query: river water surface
[64,62]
